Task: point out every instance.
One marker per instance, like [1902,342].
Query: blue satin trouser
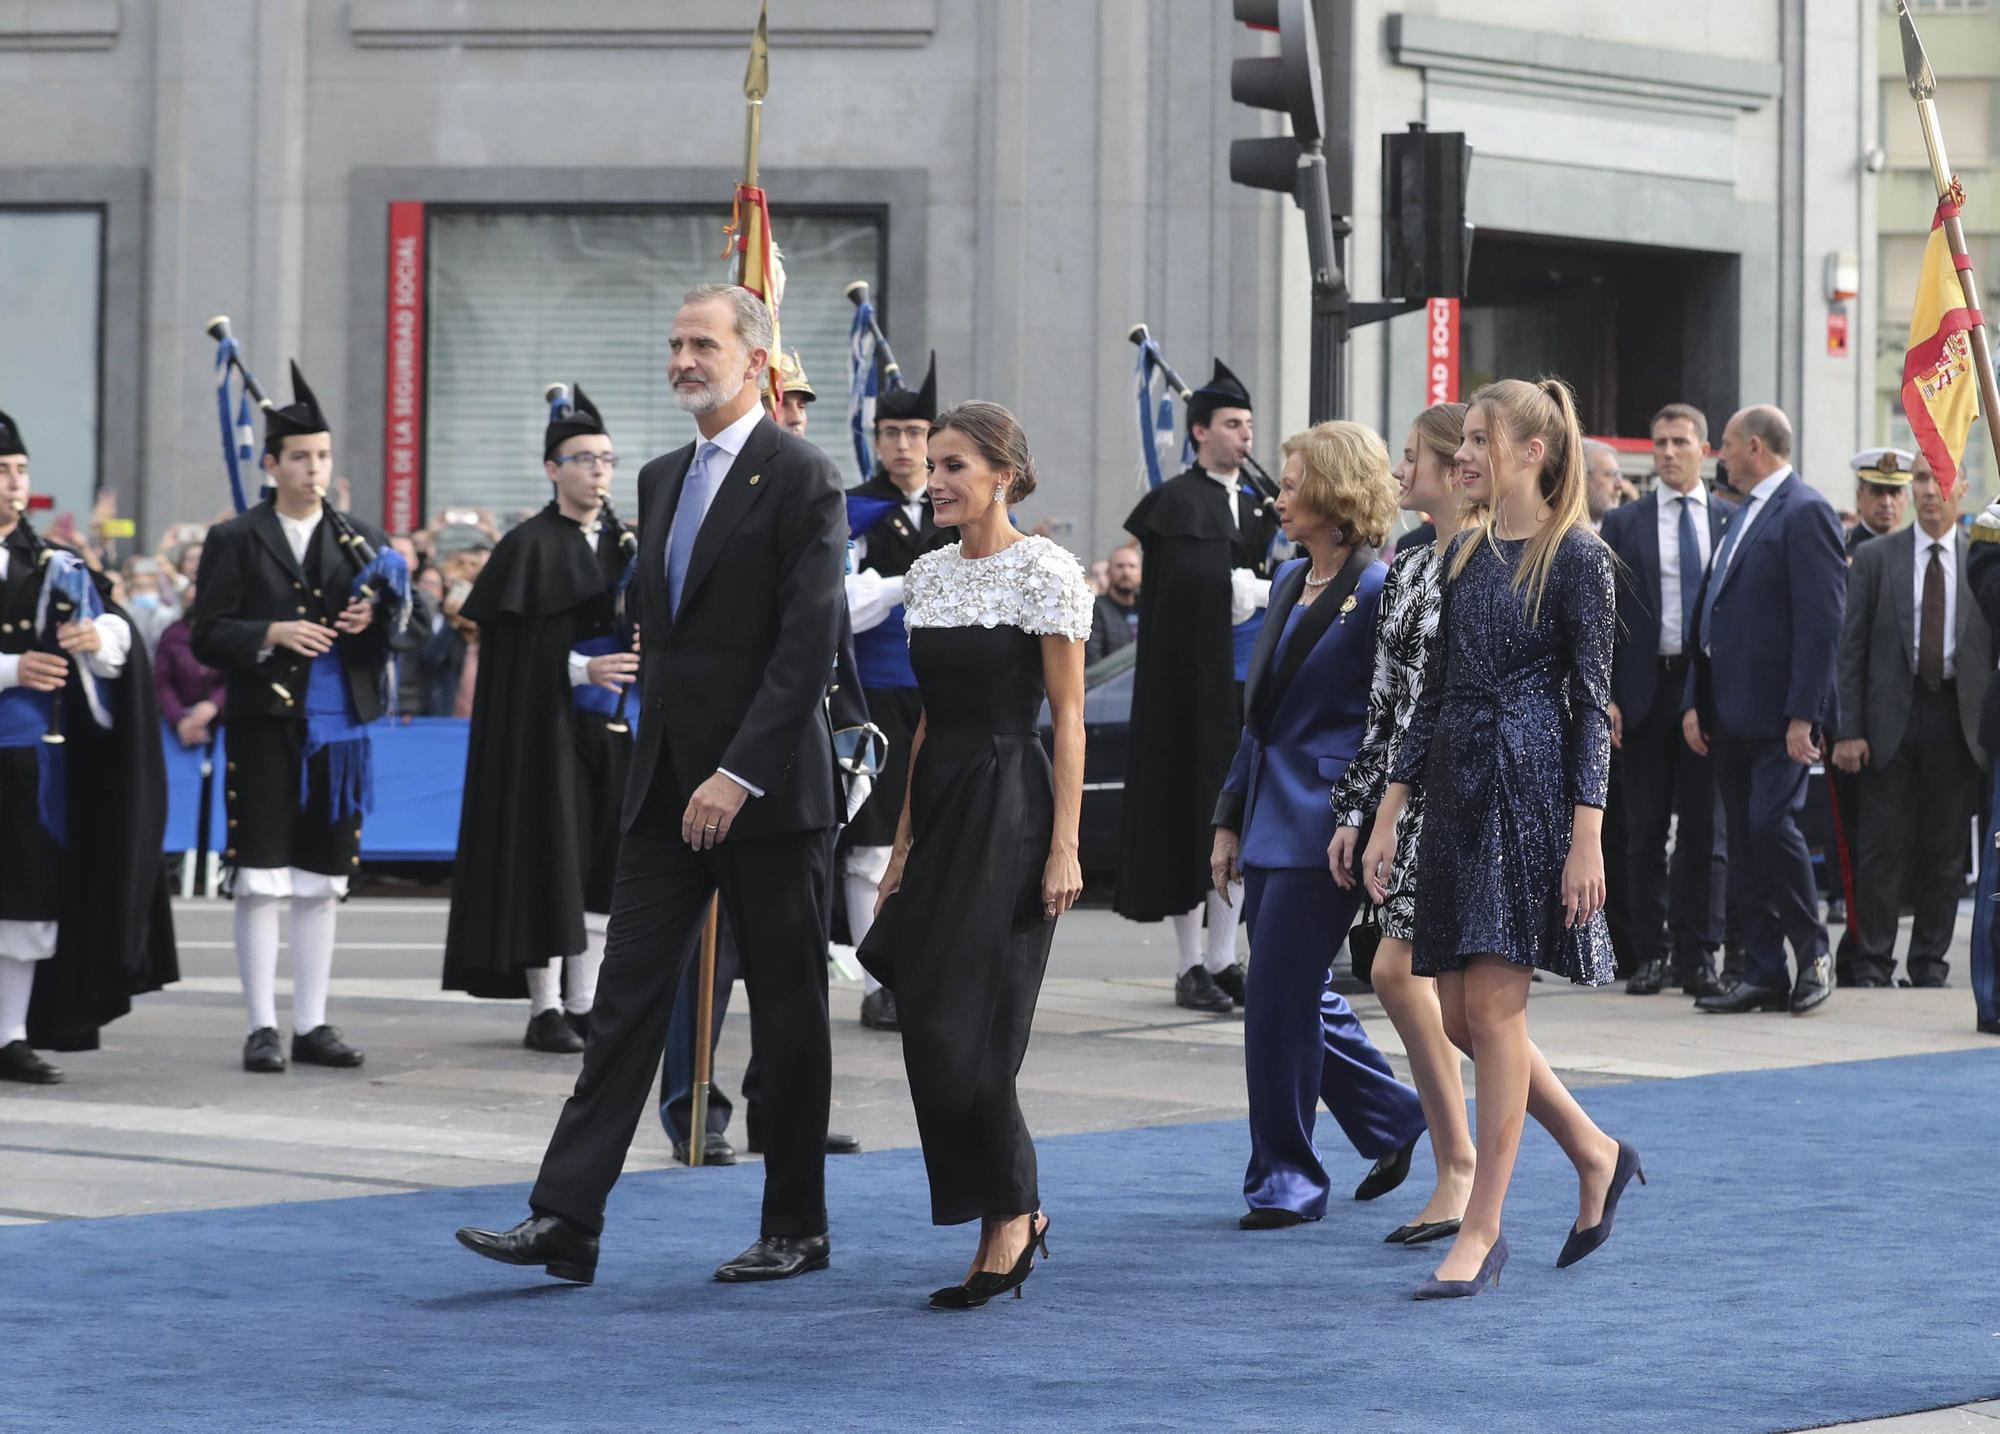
[1302,1044]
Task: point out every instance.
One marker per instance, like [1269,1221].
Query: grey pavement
[164,1118]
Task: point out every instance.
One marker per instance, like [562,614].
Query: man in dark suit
[1114,619]
[732,789]
[1915,658]
[1767,630]
[1982,571]
[1663,543]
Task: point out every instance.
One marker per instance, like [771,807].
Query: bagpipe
[378,576]
[871,371]
[1156,424]
[561,406]
[68,594]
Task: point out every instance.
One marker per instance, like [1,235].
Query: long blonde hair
[1520,412]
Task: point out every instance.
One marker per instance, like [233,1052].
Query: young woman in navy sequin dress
[1512,869]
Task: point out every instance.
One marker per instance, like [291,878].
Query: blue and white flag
[1156,417]
[863,384]
[239,434]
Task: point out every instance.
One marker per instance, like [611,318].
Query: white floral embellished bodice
[1033,585]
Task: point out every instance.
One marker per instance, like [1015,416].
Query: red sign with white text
[403,393]
[1441,351]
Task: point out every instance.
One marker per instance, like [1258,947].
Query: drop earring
[1000,492]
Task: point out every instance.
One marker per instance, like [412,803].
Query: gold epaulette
[1986,527]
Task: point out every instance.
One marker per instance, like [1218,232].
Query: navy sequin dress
[1512,734]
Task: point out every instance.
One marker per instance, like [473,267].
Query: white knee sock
[257,957]
[544,988]
[580,972]
[1187,936]
[1221,951]
[861,876]
[17,983]
[312,959]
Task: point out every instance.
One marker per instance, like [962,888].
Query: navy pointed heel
[1583,1242]
[1489,1269]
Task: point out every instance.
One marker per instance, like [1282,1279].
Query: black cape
[1186,711]
[517,889]
[116,934]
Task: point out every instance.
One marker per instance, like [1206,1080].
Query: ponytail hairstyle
[1518,412]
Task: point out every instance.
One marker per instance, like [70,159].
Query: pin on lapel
[1348,606]
[753,479]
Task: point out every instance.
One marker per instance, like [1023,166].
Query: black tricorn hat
[1223,390]
[911,402]
[302,415]
[11,442]
[582,418]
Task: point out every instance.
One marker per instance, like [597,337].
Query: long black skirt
[964,944]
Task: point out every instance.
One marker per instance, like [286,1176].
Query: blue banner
[1156,416]
[864,383]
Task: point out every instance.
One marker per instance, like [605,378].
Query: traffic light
[1287,82]
[1426,243]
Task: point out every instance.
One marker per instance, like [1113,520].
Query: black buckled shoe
[1814,985]
[1231,979]
[551,1031]
[777,1257]
[569,1252]
[18,1061]
[878,1010]
[1195,990]
[322,1046]
[262,1051]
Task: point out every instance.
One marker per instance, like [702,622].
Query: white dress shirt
[1752,506]
[1669,524]
[299,533]
[730,441]
[1948,556]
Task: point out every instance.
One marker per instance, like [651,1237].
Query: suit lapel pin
[753,479]
[1348,606]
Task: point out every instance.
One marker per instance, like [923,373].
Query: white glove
[871,598]
[1247,593]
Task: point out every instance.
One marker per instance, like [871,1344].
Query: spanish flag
[1940,388]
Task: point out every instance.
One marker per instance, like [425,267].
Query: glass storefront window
[51,278]
[520,300]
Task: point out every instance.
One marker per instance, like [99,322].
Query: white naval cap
[1889,466]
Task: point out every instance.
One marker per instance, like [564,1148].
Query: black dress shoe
[1743,997]
[322,1046]
[878,1011]
[777,1257]
[1195,990]
[716,1150]
[19,1062]
[262,1052]
[1814,985]
[836,1143]
[1734,962]
[1836,912]
[1929,981]
[1649,979]
[1696,975]
[569,1252]
[1988,1028]
[1270,1217]
[1387,1173]
[551,1031]
[1231,979]
[1867,983]
[579,1021]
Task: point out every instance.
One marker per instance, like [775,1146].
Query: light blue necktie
[1690,569]
[687,522]
[1721,566]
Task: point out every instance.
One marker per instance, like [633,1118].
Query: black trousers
[1771,896]
[774,890]
[1676,909]
[1916,810]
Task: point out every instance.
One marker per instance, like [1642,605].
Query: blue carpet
[1814,1247]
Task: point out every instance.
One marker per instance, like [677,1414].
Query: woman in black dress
[985,858]
[1512,870]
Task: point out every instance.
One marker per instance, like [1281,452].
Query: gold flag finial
[1916,64]
[757,77]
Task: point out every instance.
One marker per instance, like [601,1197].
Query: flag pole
[704,1035]
[1923,89]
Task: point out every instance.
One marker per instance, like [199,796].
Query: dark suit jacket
[249,580]
[738,678]
[1633,535]
[1305,714]
[1878,647]
[1110,628]
[1773,638]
